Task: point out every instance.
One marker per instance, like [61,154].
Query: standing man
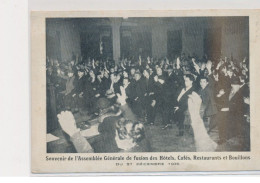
[181,107]
[236,109]
[208,107]
[159,99]
[69,93]
[230,117]
[80,87]
[170,89]
[138,95]
[149,97]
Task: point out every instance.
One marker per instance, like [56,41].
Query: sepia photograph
[147,84]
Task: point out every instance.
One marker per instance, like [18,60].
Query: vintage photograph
[147,84]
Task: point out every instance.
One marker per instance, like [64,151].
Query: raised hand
[67,122]
[121,99]
[156,78]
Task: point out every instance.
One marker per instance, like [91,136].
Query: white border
[15,91]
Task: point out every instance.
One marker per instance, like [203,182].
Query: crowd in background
[156,89]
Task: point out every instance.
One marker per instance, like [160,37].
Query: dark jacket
[236,107]
[80,85]
[183,102]
[208,106]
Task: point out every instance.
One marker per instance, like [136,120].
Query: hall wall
[234,36]
[235,39]
[69,37]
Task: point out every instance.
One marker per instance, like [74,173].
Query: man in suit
[246,95]
[80,87]
[138,94]
[158,102]
[236,109]
[208,106]
[149,97]
[68,93]
[181,106]
[170,89]
[230,117]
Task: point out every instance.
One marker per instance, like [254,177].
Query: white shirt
[183,91]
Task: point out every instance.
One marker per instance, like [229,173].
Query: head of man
[132,71]
[204,81]
[72,63]
[230,72]
[91,74]
[80,73]
[188,80]
[70,73]
[244,72]
[125,74]
[209,64]
[203,66]
[137,75]
[125,82]
[206,72]
[117,78]
[112,70]
[224,70]
[159,71]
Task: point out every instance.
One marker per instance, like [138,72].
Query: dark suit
[150,96]
[182,104]
[236,114]
[91,91]
[208,108]
[138,97]
[160,97]
[231,123]
[80,87]
[170,92]
[104,86]
[224,83]
[222,117]
[209,105]
[245,90]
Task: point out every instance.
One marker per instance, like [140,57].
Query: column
[116,23]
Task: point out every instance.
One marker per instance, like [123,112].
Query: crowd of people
[157,89]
